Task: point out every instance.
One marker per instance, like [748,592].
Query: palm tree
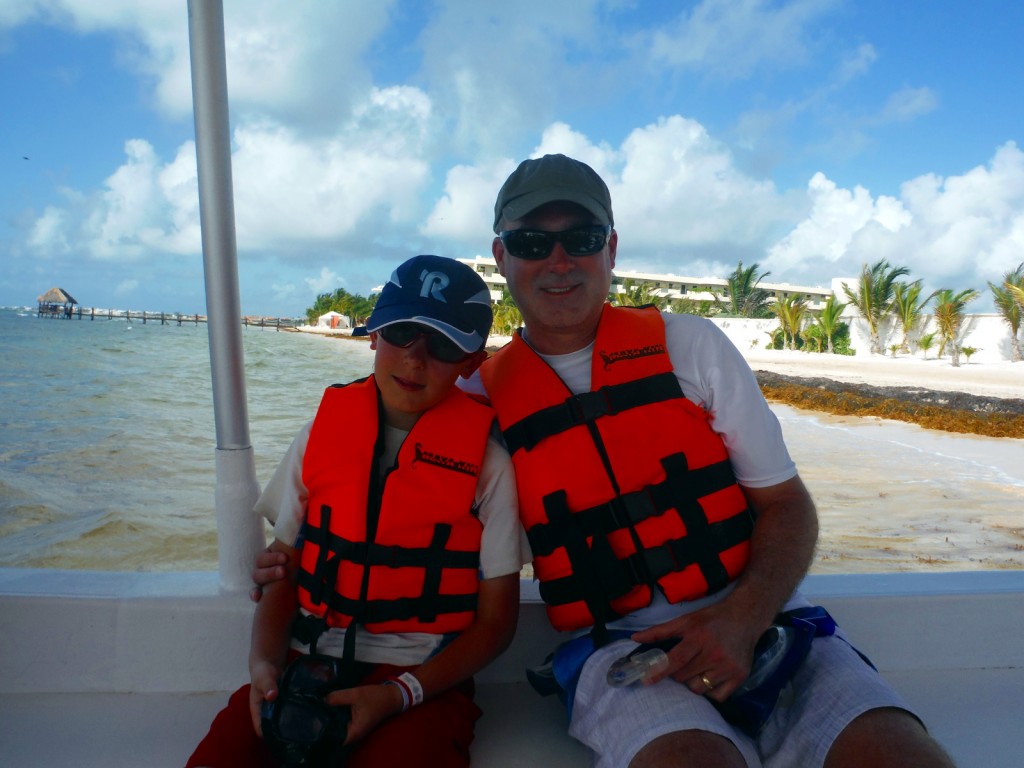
[507,317]
[321,306]
[744,298]
[688,306]
[926,342]
[907,303]
[949,316]
[791,312]
[1009,300]
[638,294]
[828,321]
[1018,293]
[874,296]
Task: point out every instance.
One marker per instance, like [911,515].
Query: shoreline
[976,398]
[980,398]
[1003,380]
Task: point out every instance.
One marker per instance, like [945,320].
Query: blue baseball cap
[440,293]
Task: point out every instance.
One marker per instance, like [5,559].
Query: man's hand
[714,653]
[717,643]
[270,567]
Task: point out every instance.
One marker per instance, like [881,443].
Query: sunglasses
[439,346]
[536,245]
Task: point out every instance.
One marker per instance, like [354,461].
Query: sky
[808,136]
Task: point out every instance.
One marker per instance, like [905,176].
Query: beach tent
[333,319]
[56,301]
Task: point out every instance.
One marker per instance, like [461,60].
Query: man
[661,505]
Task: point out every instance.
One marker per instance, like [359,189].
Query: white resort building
[670,286]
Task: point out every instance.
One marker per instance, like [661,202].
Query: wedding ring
[708,683]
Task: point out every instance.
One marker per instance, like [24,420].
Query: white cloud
[466,209]
[288,189]
[908,104]
[835,216]
[48,235]
[731,39]
[326,281]
[958,232]
[291,188]
[283,58]
[126,288]
[680,188]
[329,165]
[858,63]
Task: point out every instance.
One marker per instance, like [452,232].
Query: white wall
[989,334]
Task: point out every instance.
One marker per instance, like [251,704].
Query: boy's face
[411,381]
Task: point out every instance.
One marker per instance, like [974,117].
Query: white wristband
[415,689]
[401,689]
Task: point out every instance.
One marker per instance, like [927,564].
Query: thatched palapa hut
[56,302]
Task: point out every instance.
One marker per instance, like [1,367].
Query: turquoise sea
[107,440]
[107,454]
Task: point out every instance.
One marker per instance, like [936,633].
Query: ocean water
[107,440]
[107,455]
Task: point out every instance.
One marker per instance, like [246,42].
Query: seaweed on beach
[948,411]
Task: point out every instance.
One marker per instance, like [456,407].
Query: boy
[403,553]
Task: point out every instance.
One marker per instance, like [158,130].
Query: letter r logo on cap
[433,283]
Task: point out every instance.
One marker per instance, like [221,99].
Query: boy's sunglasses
[439,346]
[536,245]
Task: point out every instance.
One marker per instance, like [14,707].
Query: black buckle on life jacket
[680,488]
[702,550]
[307,628]
[589,406]
[597,576]
[627,510]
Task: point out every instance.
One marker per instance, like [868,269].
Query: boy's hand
[270,567]
[370,705]
[264,677]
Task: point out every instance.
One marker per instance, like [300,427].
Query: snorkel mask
[298,727]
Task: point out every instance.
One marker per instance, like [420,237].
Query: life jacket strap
[402,608]
[702,550]
[587,407]
[432,559]
[598,575]
[680,486]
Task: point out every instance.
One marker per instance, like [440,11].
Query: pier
[165,318]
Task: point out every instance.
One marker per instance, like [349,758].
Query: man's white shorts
[833,686]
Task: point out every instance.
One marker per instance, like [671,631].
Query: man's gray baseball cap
[547,179]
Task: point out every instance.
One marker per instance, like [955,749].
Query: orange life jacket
[400,554]
[623,488]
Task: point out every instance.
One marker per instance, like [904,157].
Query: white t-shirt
[713,374]
[502,544]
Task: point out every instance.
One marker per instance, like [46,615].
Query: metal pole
[239,532]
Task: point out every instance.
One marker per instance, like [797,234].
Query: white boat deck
[129,669]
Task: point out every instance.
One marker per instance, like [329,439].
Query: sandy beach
[919,499]
[987,379]
[1004,379]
